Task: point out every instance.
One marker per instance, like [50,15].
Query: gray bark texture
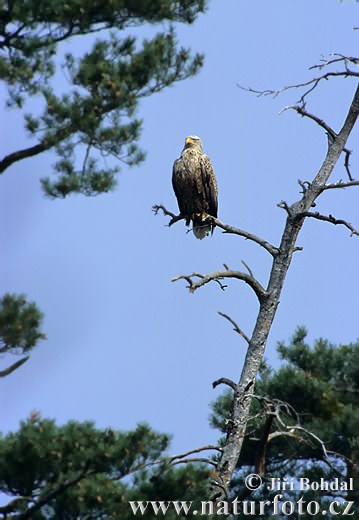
[269,297]
[268,305]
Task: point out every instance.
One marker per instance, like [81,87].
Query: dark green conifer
[94,115]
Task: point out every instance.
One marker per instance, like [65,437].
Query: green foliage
[20,324]
[97,111]
[321,385]
[76,471]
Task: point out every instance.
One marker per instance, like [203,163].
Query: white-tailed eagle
[195,185]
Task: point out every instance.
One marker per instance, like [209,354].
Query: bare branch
[339,58]
[331,134]
[284,205]
[192,285]
[224,381]
[209,447]
[346,162]
[331,219]
[248,268]
[291,434]
[312,435]
[176,459]
[219,275]
[290,430]
[174,218]
[303,112]
[340,185]
[274,251]
[236,327]
[195,459]
[274,408]
[312,84]
[304,185]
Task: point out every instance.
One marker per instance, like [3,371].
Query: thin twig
[312,84]
[304,185]
[248,268]
[195,459]
[208,447]
[339,58]
[331,134]
[284,205]
[330,219]
[174,218]
[172,459]
[235,325]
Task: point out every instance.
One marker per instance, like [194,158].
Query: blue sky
[124,343]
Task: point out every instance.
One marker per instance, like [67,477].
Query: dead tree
[268,297]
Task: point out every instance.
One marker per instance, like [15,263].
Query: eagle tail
[201,229]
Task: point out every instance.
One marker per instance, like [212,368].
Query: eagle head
[193,141]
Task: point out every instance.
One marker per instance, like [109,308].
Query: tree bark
[268,306]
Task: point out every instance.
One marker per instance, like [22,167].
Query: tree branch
[8,160]
[42,501]
[340,185]
[259,466]
[337,59]
[331,134]
[195,459]
[191,452]
[174,218]
[274,251]
[193,285]
[312,84]
[248,268]
[224,381]
[236,327]
[219,275]
[330,219]
[11,368]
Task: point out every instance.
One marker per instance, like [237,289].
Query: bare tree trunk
[268,307]
[269,298]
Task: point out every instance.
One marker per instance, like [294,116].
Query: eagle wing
[209,183]
[179,184]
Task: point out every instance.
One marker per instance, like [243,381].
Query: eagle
[195,185]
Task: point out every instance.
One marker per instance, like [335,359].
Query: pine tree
[20,328]
[96,113]
[318,388]
[76,471]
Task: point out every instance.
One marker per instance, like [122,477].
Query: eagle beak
[188,140]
